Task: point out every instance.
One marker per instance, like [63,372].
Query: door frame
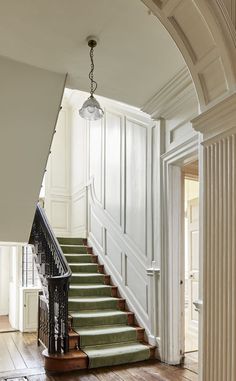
[172,237]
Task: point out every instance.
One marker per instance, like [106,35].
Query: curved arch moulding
[202,34]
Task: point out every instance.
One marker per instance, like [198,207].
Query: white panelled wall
[57,177]
[104,181]
[120,226]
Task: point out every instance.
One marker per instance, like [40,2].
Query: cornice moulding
[218,120]
[171,95]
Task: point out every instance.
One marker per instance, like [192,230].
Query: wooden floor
[191,361]
[21,360]
[5,326]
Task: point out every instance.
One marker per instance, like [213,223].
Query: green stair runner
[103,329]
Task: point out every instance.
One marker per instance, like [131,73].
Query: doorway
[4,289]
[191,262]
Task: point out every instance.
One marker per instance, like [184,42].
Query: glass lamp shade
[91,109]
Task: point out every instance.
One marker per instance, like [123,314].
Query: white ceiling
[134,59]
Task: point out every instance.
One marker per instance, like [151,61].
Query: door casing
[172,258]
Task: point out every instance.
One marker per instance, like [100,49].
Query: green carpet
[103,329]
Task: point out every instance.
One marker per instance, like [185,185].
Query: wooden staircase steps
[101,331]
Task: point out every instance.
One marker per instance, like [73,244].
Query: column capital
[217,122]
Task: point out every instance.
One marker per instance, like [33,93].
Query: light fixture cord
[93,85]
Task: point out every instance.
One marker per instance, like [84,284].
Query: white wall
[29,103]
[120,201]
[15,284]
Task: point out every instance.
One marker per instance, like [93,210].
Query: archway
[204,31]
[206,37]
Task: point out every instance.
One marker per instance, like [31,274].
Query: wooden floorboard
[21,357]
[14,352]
[5,325]
[6,362]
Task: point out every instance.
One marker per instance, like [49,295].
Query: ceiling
[134,59]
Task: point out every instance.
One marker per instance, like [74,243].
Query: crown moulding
[219,121]
[171,96]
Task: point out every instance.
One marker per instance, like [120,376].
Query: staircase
[101,331]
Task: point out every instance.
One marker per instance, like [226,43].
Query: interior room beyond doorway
[191,258]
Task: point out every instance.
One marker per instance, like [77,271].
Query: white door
[30,314]
[191,316]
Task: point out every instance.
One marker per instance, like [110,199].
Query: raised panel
[189,24]
[79,212]
[96,146]
[114,253]
[113,166]
[136,178]
[59,214]
[59,157]
[96,229]
[136,283]
[78,151]
[213,80]
[179,133]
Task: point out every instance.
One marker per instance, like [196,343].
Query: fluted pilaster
[219,230]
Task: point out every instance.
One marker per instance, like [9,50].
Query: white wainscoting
[96,147]
[79,214]
[113,165]
[57,178]
[120,200]
[136,184]
[79,168]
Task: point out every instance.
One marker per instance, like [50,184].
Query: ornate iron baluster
[54,274]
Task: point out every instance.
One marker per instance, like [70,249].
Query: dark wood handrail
[55,274]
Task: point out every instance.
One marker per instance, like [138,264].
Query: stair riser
[56,363]
[74,249]
[83,306]
[121,358]
[84,322]
[73,258]
[93,292]
[72,241]
[88,340]
[84,268]
[98,279]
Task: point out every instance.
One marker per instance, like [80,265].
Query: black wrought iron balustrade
[54,274]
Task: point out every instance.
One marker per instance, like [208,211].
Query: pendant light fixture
[91,109]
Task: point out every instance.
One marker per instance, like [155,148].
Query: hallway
[21,360]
